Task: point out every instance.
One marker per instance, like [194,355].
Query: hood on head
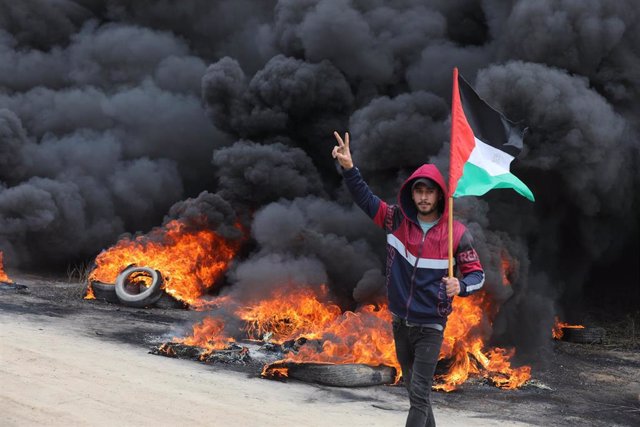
[405,200]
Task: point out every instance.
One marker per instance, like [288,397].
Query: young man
[419,293]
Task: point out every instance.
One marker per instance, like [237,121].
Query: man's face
[425,198]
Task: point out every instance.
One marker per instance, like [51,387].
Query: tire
[584,335]
[147,296]
[167,301]
[342,375]
[105,291]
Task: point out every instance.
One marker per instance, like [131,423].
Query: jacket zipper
[413,275]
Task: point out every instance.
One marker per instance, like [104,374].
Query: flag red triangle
[462,138]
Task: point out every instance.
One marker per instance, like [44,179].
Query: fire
[463,344]
[499,370]
[363,336]
[190,261]
[208,334]
[89,294]
[557,332]
[3,276]
[289,316]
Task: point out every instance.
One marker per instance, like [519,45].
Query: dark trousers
[417,349]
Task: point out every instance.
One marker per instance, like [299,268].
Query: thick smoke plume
[115,115]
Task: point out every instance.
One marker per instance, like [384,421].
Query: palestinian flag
[483,145]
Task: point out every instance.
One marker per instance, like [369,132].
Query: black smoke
[116,115]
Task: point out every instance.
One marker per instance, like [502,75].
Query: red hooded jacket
[417,261]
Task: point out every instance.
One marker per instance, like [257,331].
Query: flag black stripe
[488,124]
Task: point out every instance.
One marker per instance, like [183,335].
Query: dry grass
[79,273]
[624,333]
[77,279]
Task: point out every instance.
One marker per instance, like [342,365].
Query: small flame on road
[3,276]
[557,332]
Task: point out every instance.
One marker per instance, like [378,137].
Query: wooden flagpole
[450,219]
[450,236]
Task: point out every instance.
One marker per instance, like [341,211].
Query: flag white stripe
[441,264]
[494,161]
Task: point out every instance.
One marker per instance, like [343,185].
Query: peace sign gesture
[341,151]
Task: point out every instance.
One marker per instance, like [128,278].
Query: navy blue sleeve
[469,265]
[363,197]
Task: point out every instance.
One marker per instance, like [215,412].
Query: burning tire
[340,375]
[104,291]
[584,335]
[147,295]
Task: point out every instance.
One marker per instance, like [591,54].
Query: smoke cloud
[118,115]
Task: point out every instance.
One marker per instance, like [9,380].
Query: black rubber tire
[104,291]
[342,375]
[146,297]
[584,335]
[167,301]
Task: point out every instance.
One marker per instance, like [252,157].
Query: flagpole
[454,90]
[450,237]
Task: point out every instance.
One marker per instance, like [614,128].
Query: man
[419,293]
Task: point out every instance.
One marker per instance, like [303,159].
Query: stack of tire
[128,292]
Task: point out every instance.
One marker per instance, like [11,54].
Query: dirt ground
[66,361]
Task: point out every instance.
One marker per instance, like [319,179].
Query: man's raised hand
[341,151]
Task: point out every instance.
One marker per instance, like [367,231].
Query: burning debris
[232,354]
[5,282]
[577,333]
[312,335]
[465,346]
[4,278]
[185,261]
[134,287]
[559,328]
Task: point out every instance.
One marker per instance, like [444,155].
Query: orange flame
[463,344]
[288,316]
[208,334]
[557,332]
[499,370]
[3,276]
[89,295]
[190,261]
[363,336]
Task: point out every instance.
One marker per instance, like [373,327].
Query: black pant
[417,349]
